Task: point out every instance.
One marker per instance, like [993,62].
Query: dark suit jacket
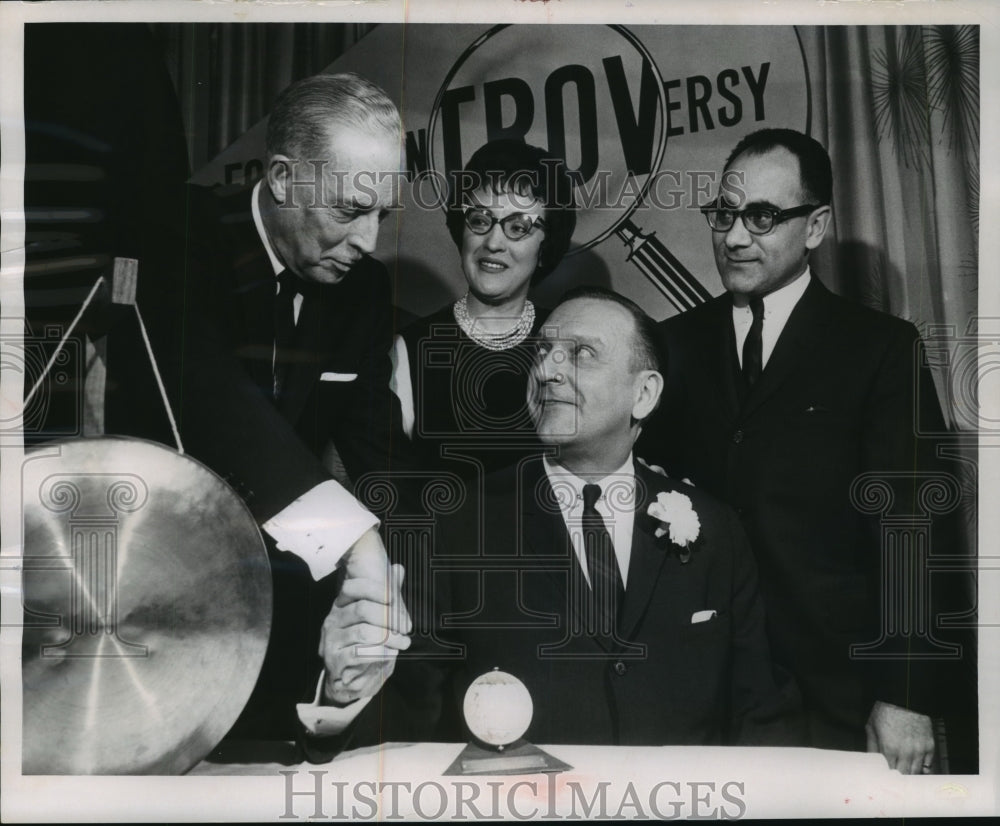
[838,398]
[209,308]
[211,311]
[505,579]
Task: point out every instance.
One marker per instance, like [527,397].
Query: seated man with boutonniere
[626,602]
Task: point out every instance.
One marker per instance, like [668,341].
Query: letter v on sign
[637,131]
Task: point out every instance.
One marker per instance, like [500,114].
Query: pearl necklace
[494,341]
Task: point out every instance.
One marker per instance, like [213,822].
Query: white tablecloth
[407,780]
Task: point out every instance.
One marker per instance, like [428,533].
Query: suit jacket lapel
[804,330]
[545,535]
[253,293]
[719,352]
[648,554]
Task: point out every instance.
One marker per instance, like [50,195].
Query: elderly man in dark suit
[626,602]
[273,324]
[778,395]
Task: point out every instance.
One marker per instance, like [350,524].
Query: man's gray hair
[304,113]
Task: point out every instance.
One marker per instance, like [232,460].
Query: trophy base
[520,757]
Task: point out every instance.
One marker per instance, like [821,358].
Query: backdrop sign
[645,117]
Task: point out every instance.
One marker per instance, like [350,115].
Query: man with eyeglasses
[625,602]
[778,396]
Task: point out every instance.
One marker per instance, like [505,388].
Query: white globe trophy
[497,708]
[498,711]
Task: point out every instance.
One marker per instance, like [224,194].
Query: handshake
[367,626]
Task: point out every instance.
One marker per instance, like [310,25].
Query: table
[406,780]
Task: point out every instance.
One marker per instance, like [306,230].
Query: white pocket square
[703,616]
[338,376]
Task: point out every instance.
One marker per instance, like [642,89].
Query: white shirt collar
[782,301]
[556,472]
[276,264]
[778,308]
[617,510]
[258,222]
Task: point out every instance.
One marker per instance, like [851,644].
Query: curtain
[898,109]
[227,75]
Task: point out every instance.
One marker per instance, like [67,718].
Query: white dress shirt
[616,507]
[778,307]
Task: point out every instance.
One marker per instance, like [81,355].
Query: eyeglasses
[515,226]
[758,220]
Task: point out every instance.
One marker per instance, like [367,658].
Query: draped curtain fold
[227,75]
[898,109]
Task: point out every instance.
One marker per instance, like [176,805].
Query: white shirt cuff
[327,721]
[320,526]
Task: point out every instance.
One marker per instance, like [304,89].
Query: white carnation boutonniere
[678,520]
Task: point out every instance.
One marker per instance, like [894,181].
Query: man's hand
[905,738]
[366,558]
[367,625]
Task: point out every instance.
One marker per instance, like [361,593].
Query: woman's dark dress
[470,403]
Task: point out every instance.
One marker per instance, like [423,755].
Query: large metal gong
[147,608]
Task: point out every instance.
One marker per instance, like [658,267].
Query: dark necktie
[753,346]
[606,588]
[284,326]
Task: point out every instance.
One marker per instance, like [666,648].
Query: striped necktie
[607,591]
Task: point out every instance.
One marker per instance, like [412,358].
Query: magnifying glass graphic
[531,82]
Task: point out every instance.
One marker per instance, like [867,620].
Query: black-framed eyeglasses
[515,226]
[758,220]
